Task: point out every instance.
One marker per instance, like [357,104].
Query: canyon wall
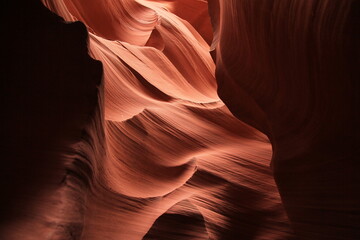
[217,119]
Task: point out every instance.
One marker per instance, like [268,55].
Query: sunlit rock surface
[160,120]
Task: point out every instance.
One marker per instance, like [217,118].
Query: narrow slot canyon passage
[180,120]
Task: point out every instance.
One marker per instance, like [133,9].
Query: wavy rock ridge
[170,138]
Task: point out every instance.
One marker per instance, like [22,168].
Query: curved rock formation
[293,74]
[167,140]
